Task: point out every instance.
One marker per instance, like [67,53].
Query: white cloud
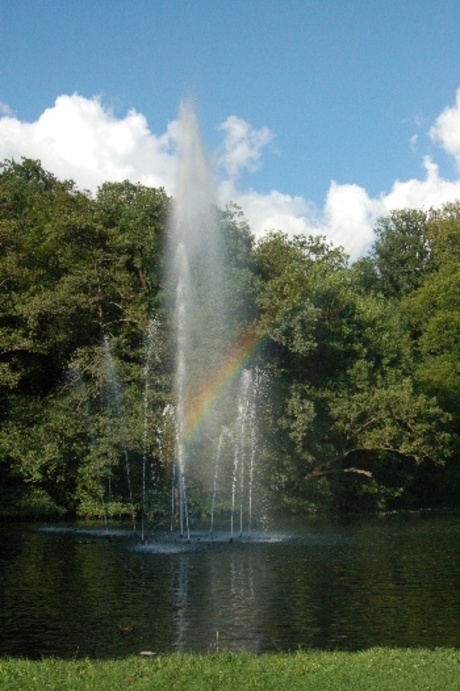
[346,220]
[242,146]
[432,190]
[5,109]
[272,211]
[81,139]
[446,129]
[349,216]
[349,213]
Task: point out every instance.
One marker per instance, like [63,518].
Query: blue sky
[322,115]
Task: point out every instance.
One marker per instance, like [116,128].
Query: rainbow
[204,400]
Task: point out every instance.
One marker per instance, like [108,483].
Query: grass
[375,669]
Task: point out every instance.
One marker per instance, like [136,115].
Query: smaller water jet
[116,419]
[77,381]
[150,360]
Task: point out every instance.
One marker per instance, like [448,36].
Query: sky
[318,116]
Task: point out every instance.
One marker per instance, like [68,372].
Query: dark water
[373,581]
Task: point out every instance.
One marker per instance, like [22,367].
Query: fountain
[214,394]
[203,448]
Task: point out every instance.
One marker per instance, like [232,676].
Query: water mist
[201,332]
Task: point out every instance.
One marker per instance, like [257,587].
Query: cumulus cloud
[346,220]
[242,146]
[82,139]
[446,129]
[349,212]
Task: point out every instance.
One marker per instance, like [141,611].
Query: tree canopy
[363,359]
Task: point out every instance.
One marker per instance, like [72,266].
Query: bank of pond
[379,669]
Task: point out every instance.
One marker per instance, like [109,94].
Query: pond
[77,590]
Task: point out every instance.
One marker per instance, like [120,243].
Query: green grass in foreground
[376,669]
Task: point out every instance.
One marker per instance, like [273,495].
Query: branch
[360,471]
[364,426]
[324,470]
[328,468]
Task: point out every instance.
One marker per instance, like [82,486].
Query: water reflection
[392,581]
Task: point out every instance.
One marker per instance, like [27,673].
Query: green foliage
[433,310]
[73,270]
[363,360]
[135,217]
[401,255]
[352,406]
[239,267]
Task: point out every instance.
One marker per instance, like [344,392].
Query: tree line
[362,359]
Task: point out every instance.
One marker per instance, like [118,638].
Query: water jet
[215,396]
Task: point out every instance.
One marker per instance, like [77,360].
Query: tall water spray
[197,292]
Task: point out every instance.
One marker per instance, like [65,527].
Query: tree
[349,404]
[433,314]
[135,217]
[73,270]
[401,255]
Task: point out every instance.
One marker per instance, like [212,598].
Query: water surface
[73,590]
